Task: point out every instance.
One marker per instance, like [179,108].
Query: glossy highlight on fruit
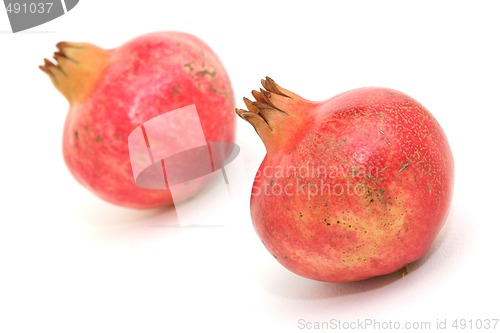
[112,92]
[353,187]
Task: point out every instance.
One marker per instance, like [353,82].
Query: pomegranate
[353,187]
[112,92]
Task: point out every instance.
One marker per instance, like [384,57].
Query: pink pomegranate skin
[353,187]
[111,92]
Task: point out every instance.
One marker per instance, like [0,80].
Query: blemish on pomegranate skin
[189,66]
[175,90]
[77,136]
[98,138]
[215,90]
[404,166]
[205,72]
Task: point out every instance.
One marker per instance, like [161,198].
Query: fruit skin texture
[111,92]
[353,187]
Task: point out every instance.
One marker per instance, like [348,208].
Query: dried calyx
[77,68]
[276,114]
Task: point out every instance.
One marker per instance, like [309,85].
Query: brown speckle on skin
[77,136]
[404,166]
[175,90]
[98,138]
[212,88]
[206,72]
[200,87]
[189,66]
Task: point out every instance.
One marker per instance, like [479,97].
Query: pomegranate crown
[276,114]
[77,68]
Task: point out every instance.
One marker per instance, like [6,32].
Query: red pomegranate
[353,187]
[112,92]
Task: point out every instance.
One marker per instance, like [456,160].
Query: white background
[70,262]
